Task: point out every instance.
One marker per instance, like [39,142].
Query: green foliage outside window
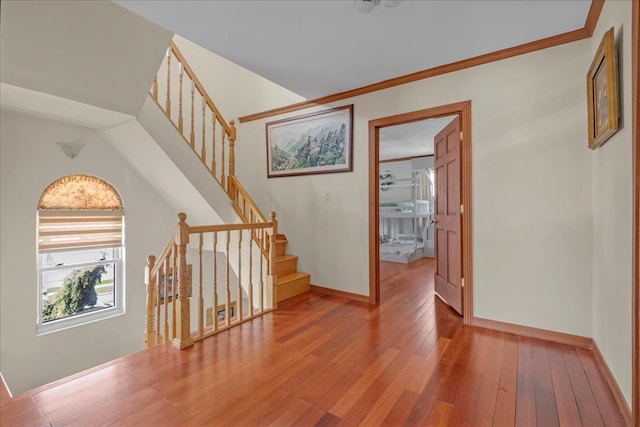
[76,294]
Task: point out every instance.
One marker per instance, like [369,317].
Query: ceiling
[318,47]
[411,139]
[311,47]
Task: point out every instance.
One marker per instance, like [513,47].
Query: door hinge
[461,209]
[460,135]
[462,281]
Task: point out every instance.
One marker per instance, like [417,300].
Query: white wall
[532,201]
[425,162]
[235,90]
[93,52]
[134,143]
[30,160]
[612,213]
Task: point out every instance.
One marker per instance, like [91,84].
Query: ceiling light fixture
[390,3]
[365,6]
[71,149]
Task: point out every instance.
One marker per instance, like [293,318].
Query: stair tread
[291,277]
[286,257]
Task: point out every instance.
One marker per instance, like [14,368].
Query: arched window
[80,251]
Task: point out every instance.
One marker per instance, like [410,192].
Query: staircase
[289,282]
[246,246]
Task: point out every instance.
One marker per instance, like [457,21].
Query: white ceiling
[312,47]
[411,139]
[320,47]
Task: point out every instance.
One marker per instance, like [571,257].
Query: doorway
[463,111]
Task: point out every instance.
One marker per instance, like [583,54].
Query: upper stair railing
[182,97]
[239,285]
[219,267]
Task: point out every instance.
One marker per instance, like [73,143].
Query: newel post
[232,157]
[149,324]
[183,328]
[273,277]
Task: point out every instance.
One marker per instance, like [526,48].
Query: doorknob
[434,221]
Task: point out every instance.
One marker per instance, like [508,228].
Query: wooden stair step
[291,285]
[286,264]
[281,246]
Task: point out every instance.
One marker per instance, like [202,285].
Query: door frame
[635,101]
[463,110]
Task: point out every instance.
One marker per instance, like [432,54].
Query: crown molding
[571,36]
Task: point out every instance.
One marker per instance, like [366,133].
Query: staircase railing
[182,97]
[248,211]
[175,83]
[234,298]
[220,267]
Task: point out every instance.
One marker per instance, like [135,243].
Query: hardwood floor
[323,360]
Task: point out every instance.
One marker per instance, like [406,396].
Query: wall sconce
[71,149]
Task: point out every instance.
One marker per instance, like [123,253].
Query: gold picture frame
[602,93]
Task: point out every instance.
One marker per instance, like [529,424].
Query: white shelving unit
[405,224]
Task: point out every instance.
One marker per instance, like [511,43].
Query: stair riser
[281,248]
[285,267]
[293,288]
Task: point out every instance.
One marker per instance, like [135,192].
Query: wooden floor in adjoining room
[323,360]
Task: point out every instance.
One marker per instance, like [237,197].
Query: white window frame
[93,316]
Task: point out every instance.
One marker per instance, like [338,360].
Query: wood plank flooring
[326,361]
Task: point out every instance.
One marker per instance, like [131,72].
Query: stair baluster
[168,101]
[164,323]
[150,279]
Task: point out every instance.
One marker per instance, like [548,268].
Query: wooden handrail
[168,313]
[206,132]
[165,253]
[241,193]
[229,227]
[247,210]
[199,87]
[168,275]
[222,169]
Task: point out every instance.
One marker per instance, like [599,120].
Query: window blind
[85,229]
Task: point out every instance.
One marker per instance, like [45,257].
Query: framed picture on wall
[319,142]
[221,313]
[169,284]
[602,93]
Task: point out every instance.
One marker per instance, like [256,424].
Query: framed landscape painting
[602,93]
[313,143]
